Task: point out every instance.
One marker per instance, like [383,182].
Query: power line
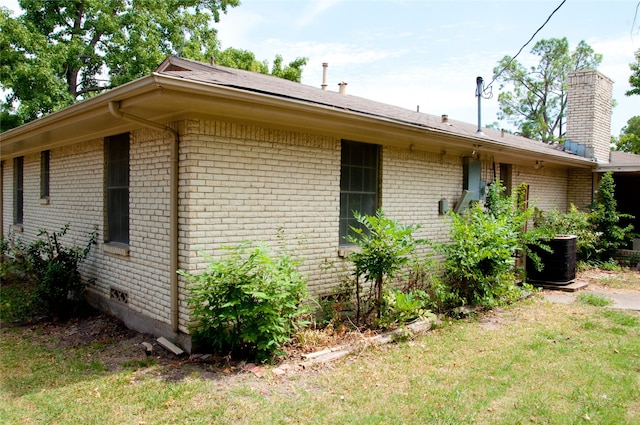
[523,46]
[634,19]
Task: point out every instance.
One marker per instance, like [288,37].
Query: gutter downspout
[114,108]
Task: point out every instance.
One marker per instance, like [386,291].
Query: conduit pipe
[114,109]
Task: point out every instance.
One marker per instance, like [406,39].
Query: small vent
[119,295]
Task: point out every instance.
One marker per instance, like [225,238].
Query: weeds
[594,300]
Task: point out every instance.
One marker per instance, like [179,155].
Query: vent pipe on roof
[445,118]
[325,65]
[343,88]
[479,89]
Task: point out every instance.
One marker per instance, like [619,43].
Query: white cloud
[234,28]
[618,53]
[317,8]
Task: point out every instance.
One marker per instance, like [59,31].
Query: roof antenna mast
[479,90]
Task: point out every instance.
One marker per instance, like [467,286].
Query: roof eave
[620,168]
[41,134]
[149,97]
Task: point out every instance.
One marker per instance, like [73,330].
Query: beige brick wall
[238,182]
[6,180]
[75,194]
[580,189]
[414,182]
[547,187]
[245,183]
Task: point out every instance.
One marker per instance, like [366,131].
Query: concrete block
[170,346]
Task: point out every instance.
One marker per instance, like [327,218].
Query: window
[117,188]
[506,173]
[44,174]
[359,173]
[18,190]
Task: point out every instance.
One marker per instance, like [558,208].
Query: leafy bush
[59,288]
[385,246]
[247,302]
[480,261]
[399,307]
[606,220]
[574,222]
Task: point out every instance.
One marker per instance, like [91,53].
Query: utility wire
[523,46]
[634,19]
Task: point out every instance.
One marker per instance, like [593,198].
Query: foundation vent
[118,295]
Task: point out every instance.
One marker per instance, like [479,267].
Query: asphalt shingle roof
[265,84]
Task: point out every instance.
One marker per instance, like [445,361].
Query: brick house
[197,156]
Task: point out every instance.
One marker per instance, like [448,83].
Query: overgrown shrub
[248,302]
[424,276]
[607,220]
[385,247]
[480,261]
[54,269]
[4,258]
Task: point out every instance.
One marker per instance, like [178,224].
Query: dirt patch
[103,338]
[626,281]
[99,337]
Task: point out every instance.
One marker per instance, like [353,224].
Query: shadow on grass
[41,355]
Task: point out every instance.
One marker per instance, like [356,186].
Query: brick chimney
[589,97]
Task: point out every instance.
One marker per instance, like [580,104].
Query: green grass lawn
[533,363]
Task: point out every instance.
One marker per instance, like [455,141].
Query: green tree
[634,79]
[606,220]
[244,59]
[534,99]
[629,140]
[59,52]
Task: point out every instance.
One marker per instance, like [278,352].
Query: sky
[427,53]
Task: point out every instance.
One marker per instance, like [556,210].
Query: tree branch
[93,90]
